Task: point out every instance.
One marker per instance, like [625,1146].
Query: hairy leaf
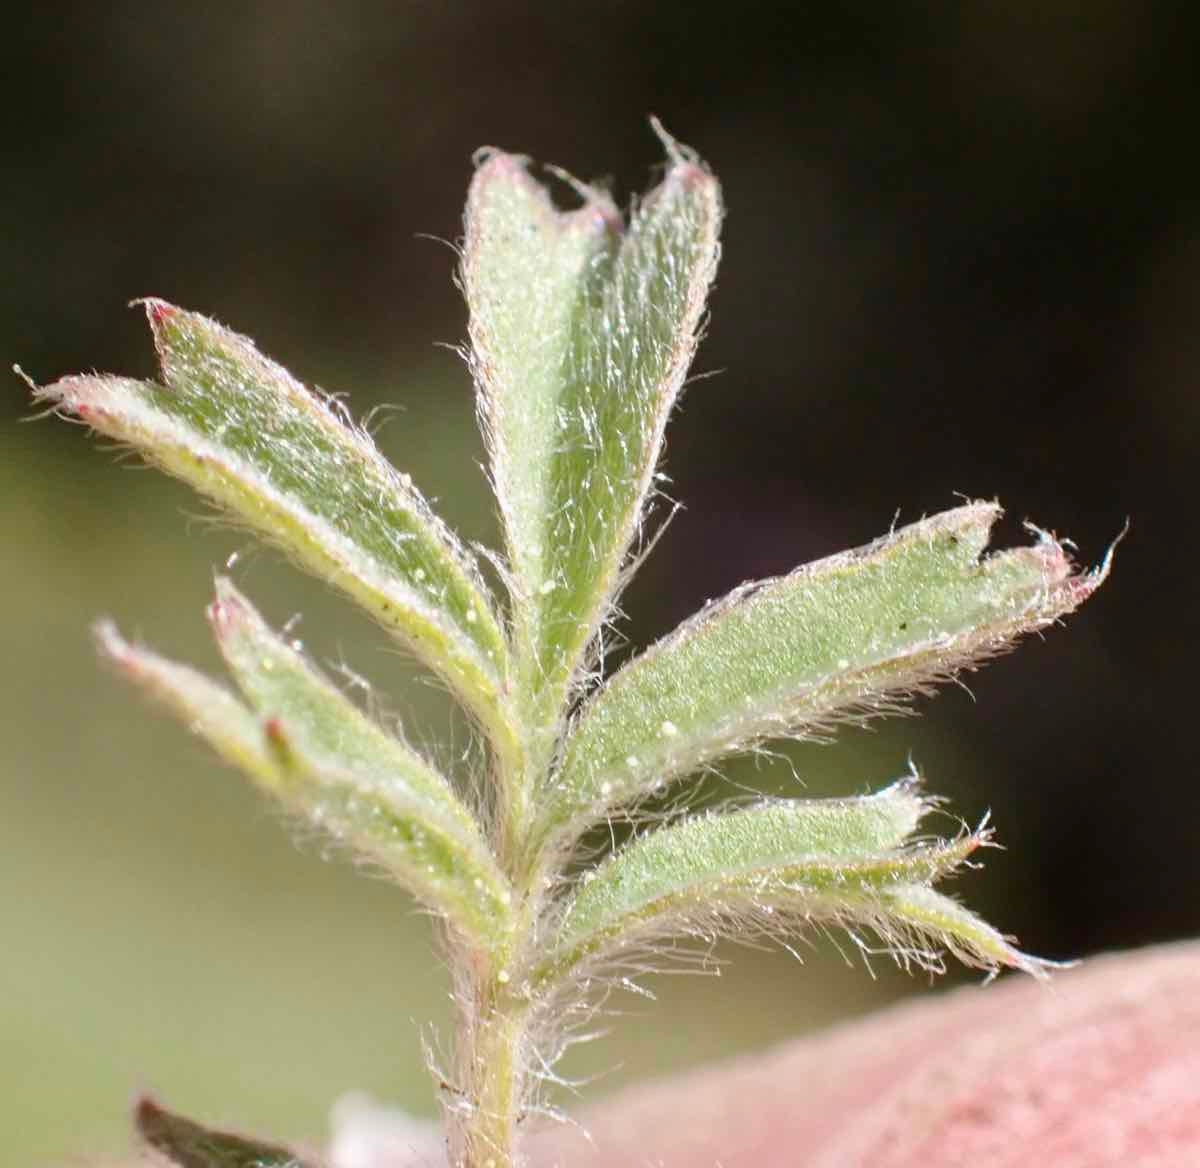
[846,636]
[582,329]
[188,1144]
[775,866]
[529,271]
[306,744]
[207,708]
[241,430]
[926,912]
[359,782]
[581,343]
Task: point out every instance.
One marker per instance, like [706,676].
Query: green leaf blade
[279,682]
[527,272]
[849,636]
[971,939]
[360,783]
[305,744]
[241,430]
[207,708]
[576,420]
[777,865]
[449,872]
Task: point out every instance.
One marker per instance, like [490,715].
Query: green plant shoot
[582,328]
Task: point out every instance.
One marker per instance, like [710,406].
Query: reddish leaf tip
[279,742]
[157,311]
[146,1109]
[501,161]
[686,165]
[226,610]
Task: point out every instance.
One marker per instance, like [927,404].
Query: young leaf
[243,431]
[581,344]
[362,788]
[187,1144]
[208,709]
[358,781]
[529,271]
[783,862]
[279,682]
[973,941]
[846,636]
[582,331]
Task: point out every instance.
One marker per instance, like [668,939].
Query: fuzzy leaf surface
[848,636]
[529,271]
[206,707]
[927,912]
[581,340]
[775,866]
[364,789]
[242,431]
[187,1144]
[359,782]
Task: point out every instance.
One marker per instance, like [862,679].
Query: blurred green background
[962,255]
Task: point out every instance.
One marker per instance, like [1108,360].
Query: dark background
[962,255]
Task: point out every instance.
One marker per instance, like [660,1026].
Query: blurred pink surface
[1100,1067]
[1097,1069]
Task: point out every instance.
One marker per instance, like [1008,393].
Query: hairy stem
[582,330]
[483,1127]
[493,1050]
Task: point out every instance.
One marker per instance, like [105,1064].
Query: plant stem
[497,1009]
[493,1055]
[484,1130]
